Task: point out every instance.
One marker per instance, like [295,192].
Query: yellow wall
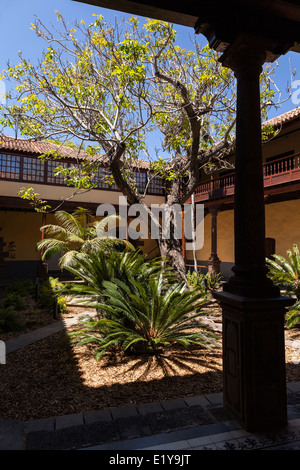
[21,232]
[225,242]
[283,224]
[287,140]
[48,192]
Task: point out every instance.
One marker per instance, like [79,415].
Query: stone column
[214,261]
[253,311]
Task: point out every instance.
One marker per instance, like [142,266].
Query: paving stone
[220,414]
[174,404]
[133,426]
[197,400]
[36,335]
[293,387]
[68,421]
[84,435]
[124,412]
[12,435]
[215,398]
[101,433]
[199,441]
[294,412]
[45,424]
[178,419]
[97,415]
[146,408]
[38,440]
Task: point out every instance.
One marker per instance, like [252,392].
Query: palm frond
[51,246]
[143,312]
[69,222]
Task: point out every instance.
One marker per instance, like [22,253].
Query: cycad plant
[77,233]
[141,306]
[286,275]
[293,315]
[145,316]
[129,265]
[209,281]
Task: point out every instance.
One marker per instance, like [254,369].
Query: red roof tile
[38,147]
[33,147]
[284,118]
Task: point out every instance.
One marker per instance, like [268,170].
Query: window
[141,180]
[10,166]
[33,169]
[51,178]
[156,185]
[102,178]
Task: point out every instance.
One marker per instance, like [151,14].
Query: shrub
[10,319]
[213,280]
[99,267]
[196,279]
[286,273]
[21,287]
[293,315]
[140,313]
[210,281]
[13,300]
[49,292]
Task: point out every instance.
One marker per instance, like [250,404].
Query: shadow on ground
[52,378]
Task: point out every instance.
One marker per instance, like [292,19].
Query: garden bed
[52,377]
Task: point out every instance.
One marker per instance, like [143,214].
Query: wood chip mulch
[52,377]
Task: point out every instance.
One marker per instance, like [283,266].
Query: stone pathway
[189,424]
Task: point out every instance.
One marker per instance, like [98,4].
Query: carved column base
[254,380]
[214,264]
[251,282]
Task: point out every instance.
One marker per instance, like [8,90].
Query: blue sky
[15,34]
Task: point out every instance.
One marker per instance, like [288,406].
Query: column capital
[247,54]
[213,209]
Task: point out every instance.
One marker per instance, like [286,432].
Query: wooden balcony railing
[281,171]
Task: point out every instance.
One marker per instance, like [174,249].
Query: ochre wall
[282,223]
[48,192]
[225,242]
[21,230]
[287,140]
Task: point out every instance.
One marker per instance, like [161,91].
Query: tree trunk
[171,249]
[170,237]
[170,243]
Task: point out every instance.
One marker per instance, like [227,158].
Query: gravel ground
[53,377]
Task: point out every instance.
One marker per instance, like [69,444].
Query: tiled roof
[40,147]
[284,118]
